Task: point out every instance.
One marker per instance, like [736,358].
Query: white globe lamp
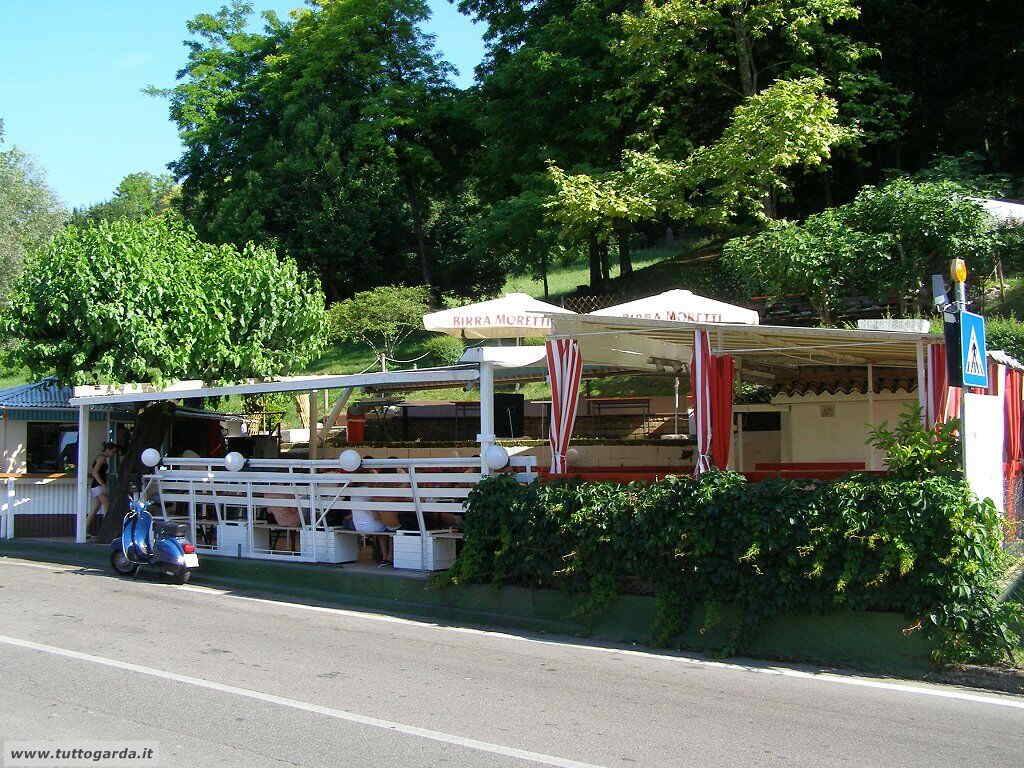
[150,457]
[350,460]
[496,457]
[234,462]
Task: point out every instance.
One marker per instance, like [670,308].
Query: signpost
[973,359]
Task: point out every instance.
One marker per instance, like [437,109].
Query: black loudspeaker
[509,410]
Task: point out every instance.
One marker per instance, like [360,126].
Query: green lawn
[14,378]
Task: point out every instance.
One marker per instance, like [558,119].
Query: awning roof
[140,393]
[654,344]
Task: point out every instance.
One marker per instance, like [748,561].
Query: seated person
[286,517]
[371,521]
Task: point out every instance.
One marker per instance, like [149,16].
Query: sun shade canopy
[679,305]
[513,316]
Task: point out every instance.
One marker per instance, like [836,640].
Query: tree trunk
[606,273]
[152,428]
[594,257]
[421,248]
[544,270]
[748,85]
[744,55]
[625,255]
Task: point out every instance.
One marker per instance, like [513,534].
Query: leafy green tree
[929,223]
[823,258]
[336,134]
[885,243]
[545,95]
[691,61]
[30,213]
[381,318]
[787,124]
[138,196]
[146,300]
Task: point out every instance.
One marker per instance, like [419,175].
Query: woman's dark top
[102,472]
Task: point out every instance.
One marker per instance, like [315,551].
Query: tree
[381,318]
[336,135]
[30,213]
[885,243]
[692,61]
[823,258]
[146,300]
[138,196]
[929,223]
[787,124]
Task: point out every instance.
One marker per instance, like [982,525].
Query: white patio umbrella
[513,316]
[682,306]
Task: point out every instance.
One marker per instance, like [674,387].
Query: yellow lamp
[958,270]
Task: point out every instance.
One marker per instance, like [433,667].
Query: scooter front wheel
[122,564]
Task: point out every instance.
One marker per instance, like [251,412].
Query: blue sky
[71,74]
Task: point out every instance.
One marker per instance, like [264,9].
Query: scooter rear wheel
[182,576]
[122,564]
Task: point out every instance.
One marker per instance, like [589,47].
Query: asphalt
[219,678]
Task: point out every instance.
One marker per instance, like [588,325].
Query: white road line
[1005,700]
[338,714]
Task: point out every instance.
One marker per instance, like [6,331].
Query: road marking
[1006,700]
[338,714]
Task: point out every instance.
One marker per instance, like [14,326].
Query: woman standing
[98,475]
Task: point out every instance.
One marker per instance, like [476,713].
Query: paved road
[218,678]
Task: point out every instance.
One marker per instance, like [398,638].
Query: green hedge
[924,547]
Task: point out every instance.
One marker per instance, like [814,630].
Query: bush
[919,545]
[1006,334]
[444,350]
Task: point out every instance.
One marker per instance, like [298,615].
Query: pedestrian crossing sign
[973,360]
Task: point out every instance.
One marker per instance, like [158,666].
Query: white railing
[236,504]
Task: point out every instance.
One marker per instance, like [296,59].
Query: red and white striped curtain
[701,388]
[943,401]
[711,383]
[565,366]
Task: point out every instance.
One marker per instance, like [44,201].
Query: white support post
[314,419]
[82,499]
[486,436]
[922,383]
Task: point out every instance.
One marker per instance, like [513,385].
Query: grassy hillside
[566,279]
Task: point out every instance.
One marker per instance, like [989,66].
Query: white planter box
[330,547]
[233,540]
[440,553]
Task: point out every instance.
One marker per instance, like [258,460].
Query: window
[51,447]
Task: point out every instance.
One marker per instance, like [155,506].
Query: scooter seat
[169,529]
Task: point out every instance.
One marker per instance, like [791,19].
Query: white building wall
[835,427]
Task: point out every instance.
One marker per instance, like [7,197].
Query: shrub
[444,350]
[921,545]
[1006,334]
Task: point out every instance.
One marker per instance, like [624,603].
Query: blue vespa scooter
[158,544]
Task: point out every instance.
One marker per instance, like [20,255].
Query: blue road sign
[973,360]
